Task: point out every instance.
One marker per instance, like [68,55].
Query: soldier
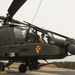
[42,38]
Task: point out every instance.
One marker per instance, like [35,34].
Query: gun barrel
[71,49]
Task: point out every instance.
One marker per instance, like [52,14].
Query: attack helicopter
[19,42]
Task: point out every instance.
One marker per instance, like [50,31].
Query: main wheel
[22,68]
[2,66]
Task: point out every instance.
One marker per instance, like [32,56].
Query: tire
[22,68]
[2,66]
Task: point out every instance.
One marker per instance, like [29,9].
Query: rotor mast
[14,7]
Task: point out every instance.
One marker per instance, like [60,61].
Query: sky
[54,15]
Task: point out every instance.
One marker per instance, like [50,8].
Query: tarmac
[15,72]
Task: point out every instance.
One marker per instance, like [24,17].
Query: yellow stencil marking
[3,72]
[38,48]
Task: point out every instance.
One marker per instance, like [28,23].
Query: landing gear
[22,68]
[2,66]
[28,65]
[33,65]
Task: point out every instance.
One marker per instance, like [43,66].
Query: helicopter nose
[71,49]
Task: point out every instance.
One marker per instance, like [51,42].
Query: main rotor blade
[14,7]
[2,17]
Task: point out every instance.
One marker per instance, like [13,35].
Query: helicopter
[19,42]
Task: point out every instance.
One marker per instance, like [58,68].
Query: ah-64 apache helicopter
[19,42]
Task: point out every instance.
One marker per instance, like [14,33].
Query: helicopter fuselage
[14,45]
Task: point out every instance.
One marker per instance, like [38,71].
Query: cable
[37,11]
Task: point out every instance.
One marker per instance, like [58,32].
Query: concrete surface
[15,72]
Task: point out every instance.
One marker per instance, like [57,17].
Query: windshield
[20,32]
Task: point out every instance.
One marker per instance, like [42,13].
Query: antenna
[37,10]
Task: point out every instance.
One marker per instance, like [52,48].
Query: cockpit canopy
[20,32]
